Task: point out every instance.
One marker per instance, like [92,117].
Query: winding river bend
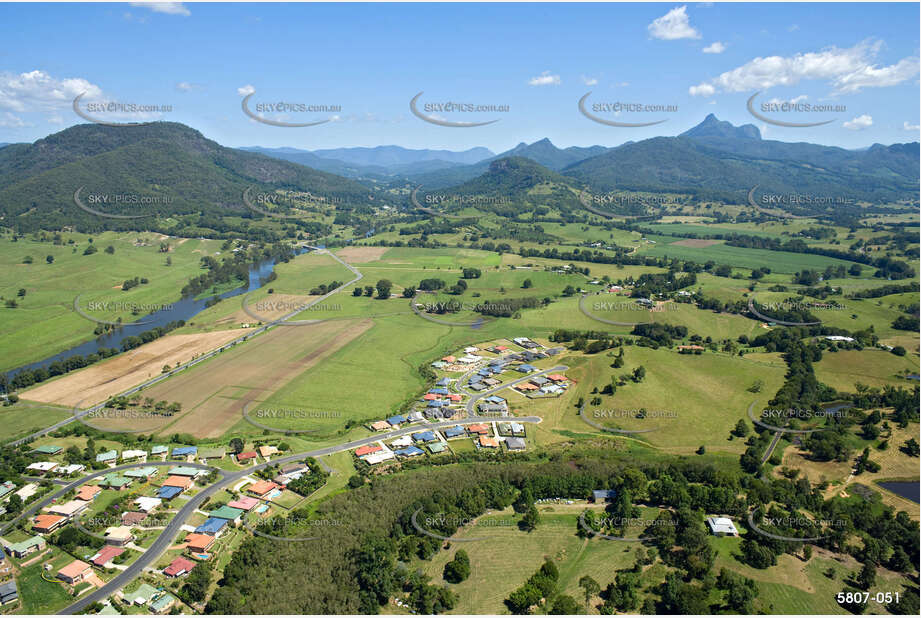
[184,309]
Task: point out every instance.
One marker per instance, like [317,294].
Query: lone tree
[383,288]
[458,569]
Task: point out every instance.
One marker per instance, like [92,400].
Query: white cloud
[792,101]
[545,79]
[793,28]
[38,91]
[170,8]
[187,86]
[589,81]
[11,121]
[705,90]
[911,127]
[859,123]
[245,90]
[717,47]
[55,118]
[673,25]
[847,70]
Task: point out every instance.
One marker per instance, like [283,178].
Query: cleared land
[115,375]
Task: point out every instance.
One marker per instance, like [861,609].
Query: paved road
[472,401]
[205,356]
[170,532]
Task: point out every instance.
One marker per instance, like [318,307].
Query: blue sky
[537,59]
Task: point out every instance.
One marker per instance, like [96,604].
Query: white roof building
[378,457]
[147,504]
[838,338]
[133,454]
[722,526]
[27,491]
[468,359]
[406,440]
[71,469]
[43,466]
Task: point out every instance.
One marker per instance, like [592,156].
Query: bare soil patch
[214,395]
[361,254]
[112,376]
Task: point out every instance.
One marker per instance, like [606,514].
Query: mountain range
[713,160]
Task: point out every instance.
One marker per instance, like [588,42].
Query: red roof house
[368,449]
[247,456]
[178,567]
[107,554]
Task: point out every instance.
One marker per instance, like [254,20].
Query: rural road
[172,529]
[205,356]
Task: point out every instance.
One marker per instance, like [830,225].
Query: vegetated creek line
[184,309]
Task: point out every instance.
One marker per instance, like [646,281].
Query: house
[525,368]
[645,302]
[295,468]
[213,453]
[490,408]
[486,442]
[227,512]
[468,359]
[448,359]
[410,451]
[722,526]
[182,482]
[551,389]
[396,420]
[414,417]
[115,481]
[42,467]
[199,543]
[133,518]
[68,509]
[108,610]
[431,397]
[141,473]
[266,450]
[477,387]
[162,603]
[119,536]
[402,442]
[262,488]
[479,429]
[185,451]
[556,377]
[179,567]
[168,493]
[437,447]
[213,526]
[24,548]
[108,457]
[184,471]
[425,436]
[603,495]
[361,451]
[690,347]
[247,456]
[376,458]
[456,397]
[839,338]
[106,554]
[75,572]
[244,504]
[70,469]
[438,391]
[27,491]
[439,364]
[514,444]
[48,449]
[443,382]
[491,382]
[48,523]
[142,595]
[526,386]
[159,450]
[6,487]
[539,381]
[134,455]
[517,428]
[147,504]
[8,592]
[380,426]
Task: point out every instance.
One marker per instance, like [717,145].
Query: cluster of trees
[658,334]
[325,288]
[310,482]
[539,586]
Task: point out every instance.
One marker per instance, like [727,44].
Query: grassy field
[45,323]
[24,418]
[843,369]
[778,261]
